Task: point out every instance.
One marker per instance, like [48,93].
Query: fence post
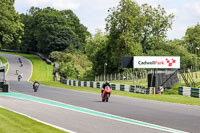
[136,76]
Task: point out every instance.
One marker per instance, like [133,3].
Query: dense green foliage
[11,29]
[73,66]
[192,38]
[48,30]
[131,30]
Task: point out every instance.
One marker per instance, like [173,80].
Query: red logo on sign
[170,62]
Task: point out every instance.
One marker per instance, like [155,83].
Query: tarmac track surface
[177,116]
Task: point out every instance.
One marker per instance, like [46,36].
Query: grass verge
[43,73]
[3,62]
[173,98]
[15,123]
[41,70]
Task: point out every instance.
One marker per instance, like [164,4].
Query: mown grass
[174,98]
[41,70]
[139,82]
[43,73]
[15,123]
[3,62]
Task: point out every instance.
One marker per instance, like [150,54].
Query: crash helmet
[107,82]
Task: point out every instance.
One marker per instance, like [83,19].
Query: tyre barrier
[189,91]
[113,86]
[119,87]
[98,85]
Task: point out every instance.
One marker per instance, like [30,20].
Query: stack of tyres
[180,90]
[127,88]
[185,91]
[132,88]
[122,87]
[98,85]
[91,84]
[195,92]
[113,86]
[147,91]
[79,83]
[85,83]
[74,83]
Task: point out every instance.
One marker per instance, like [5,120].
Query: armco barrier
[120,87]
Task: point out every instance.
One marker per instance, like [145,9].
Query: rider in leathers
[107,83]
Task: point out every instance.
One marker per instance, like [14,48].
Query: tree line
[131,30]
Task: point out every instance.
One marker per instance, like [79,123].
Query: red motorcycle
[106,94]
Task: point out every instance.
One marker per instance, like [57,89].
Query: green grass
[3,62]
[174,98]
[43,73]
[15,123]
[41,70]
[139,82]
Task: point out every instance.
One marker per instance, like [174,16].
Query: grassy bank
[15,123]
[3,62]
[41,70]
[174,98]
[43,73]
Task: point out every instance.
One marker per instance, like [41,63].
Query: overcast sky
[92,13]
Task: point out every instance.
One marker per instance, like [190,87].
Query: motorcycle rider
[36,84]
[107,83]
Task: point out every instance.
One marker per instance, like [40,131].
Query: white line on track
[63,129]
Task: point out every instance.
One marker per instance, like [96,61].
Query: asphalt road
[172,115]
[14,65]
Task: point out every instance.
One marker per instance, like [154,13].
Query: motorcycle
[35,88]
[106,94]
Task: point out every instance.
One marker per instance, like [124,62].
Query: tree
[95,43]
[11,29]
[134,29]
[192,38]
[74,66]
[154,27]
[74,23]
[29,42]
[50,30]
[122,25]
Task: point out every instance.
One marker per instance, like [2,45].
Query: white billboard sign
[156,62]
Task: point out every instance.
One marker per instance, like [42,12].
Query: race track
[174,116]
